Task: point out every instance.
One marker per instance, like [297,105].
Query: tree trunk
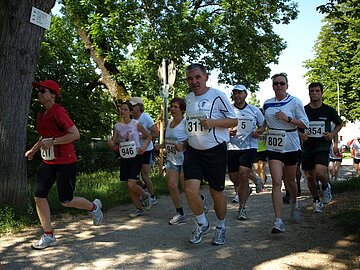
[116,91]
[20,42]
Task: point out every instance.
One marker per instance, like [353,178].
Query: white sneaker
[219,236]
[278,227]
[327,196]
[242,214]
[153,201]
[177,219]
[146,202]
[198,232]
[236,199]
[97,214]
[318,207]
[45,241]
[137,213]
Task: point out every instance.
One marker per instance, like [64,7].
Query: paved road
[149,242]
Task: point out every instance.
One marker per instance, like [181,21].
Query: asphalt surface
[149,242]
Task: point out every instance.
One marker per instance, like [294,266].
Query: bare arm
[223,123]
[147,137]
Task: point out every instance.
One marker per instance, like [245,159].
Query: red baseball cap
[49,84]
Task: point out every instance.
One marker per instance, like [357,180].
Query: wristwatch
[53,141]
[289,119]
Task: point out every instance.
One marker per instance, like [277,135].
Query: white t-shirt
[146,121]
[356,146]
[174,136]
[128,137]
[214,104]
[283,137]
[249,118]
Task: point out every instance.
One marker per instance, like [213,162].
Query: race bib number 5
[276,140]
[127,149]
[245,126]
[316,129]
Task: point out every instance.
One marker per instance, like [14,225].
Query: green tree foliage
[253,100]
[130,38]
[63,58]
[337,56]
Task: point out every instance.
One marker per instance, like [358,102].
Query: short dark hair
[181,101]
[131,107]
[196,66]
[316,84]
[282,74]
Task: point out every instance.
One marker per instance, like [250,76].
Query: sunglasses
[43,90]
[277,83]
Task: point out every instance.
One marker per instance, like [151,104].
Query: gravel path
[148,242]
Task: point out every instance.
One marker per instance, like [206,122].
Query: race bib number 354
[316,129]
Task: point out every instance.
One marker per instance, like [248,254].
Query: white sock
[201,219]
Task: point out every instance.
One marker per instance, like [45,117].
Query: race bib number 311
[194,127]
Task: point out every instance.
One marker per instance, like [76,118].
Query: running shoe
[147,202]
[205,203]
[97,214]
[153,200]
[327,196]
[259,186]
[137,213]
[45,241]
[295,214]
[236,199]
[318,207]
[278,227]
[198,232]
[219,236]
[242,214]
[177,219]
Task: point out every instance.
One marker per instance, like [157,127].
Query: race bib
[170,148]
[276,140]
[316,129]
[47,154]
[127,149]
[262,138]
[245,126]
[194,127]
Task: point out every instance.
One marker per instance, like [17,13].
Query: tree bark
[117,91]
[20,42]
